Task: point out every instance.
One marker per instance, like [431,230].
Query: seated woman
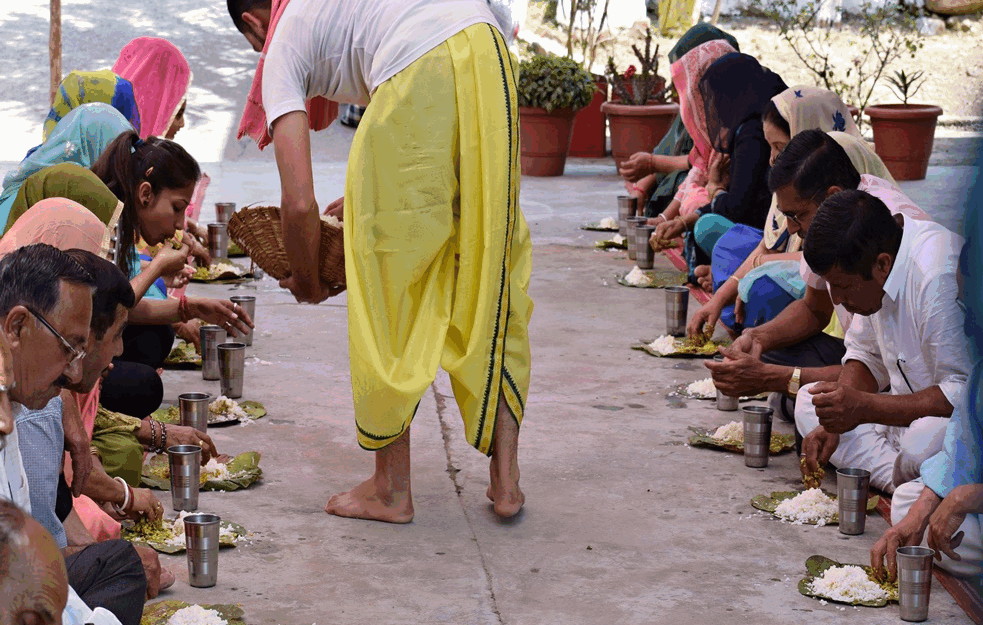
[733,92]
[767,276]
[654,178]
[80,88]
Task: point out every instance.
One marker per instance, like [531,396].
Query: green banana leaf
[660,279]
[769,503]
[183,356]
[596,226]
[817,565]
[780,443]
[172,414]
[156,473]
[213,275]
[685,348]
[609,244]
[159,613]
[153,536]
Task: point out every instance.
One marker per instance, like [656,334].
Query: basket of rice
[258,231]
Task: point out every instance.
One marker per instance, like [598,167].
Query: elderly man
[46,308]
[897,276]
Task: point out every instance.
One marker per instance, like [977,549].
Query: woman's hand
[179,280]
[707,315]
[221,313]
[183,435]
[200,252]
[145,505]
[718,174]
[170,261]
[191,332]
[739,310]
[669,230]
[636,166]
[336,209]
[944,535]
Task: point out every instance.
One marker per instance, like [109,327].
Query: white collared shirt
[13,479]
[916,340]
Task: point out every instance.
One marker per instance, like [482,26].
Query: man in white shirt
[437,252]
[897,276]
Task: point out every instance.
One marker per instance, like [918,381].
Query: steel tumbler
[201,537]
[232,364]
[185,466]
[757,436]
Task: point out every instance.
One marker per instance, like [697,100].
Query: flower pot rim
[902,111]
[639,110]
[536,110]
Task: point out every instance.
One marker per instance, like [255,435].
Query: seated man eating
[897,276]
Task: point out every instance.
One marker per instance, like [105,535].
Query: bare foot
[368,501]
[504,491]
[704,277]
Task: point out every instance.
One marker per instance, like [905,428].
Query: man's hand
[81,466]
[76,443]
[183,435]
[305,294]
[636,166]
[221,312]
[818,447]
[151,566]
[840,408]
[741,374]
[745,342]
[906,533]
[943,526]
[336,209]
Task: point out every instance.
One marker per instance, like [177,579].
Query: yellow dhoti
[437,252]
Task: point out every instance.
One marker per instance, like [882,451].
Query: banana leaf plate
[156,536]
[684,348]
[664,245]
[702,437]
[680,391]
[159,613]
[769,503]
[596,227]
[611,244]
[172,414]
[817,565]
[244,467]
[660,279]
[183,356]
[221,274]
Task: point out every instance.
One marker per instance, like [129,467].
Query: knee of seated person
[903,498]
[924,438]
[805,412]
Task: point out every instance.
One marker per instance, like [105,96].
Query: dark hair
[812,162]
[126,163]
[32,275]
[850,230]
[773,117]
[112,290]
[12,522]
[238,7]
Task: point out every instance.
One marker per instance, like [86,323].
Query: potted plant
[586,32]
[642,116]
[551,90]
[904,133]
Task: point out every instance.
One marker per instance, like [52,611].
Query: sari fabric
[320,112]
[698,35]
[59,222]
[68,180]
[79,88]
[735,89]
[80,137]
[160,75]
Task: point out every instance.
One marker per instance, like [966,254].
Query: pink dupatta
[160,75]
[320,111]
[686,74]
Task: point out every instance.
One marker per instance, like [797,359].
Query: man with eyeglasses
[46,310]
[804,343]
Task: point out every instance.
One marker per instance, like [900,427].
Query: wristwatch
[794,382]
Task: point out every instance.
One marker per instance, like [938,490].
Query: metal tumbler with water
[232,365]
[201,532]
[914,582]
[757,436]
[211,336]
[644,254]
[677,309]
[185,466]
[248,304]
[626,209]
[224,211]
[633,223]
[852,486]
[218,240]
[194,410]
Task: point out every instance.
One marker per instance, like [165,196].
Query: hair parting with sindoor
[126,163]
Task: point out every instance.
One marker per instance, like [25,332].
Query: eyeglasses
[76,355]
[792,217]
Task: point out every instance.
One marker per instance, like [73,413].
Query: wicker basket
[259,233]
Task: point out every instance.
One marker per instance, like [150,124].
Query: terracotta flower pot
[903,137]
[589,125]
[637,128]
[545,140]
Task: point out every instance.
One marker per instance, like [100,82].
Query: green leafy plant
[886,34]
[553,82]
[639,87]
[905,85]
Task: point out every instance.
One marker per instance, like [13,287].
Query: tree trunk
[716,12]
[54,47]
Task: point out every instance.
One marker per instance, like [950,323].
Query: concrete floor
[625,523]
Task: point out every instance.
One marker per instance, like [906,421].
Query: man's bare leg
[386,496]
[504,491]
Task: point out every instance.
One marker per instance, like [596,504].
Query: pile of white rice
[704,388]
[618,239]
[225,406]
[637,277]
[608,223]
[177,529]
[848,584]
[331,220]
[810,506]
[222,267]
[196,615]
[215,470]
[663,345]
[732,432]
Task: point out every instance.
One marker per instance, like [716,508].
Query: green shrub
[553,82]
